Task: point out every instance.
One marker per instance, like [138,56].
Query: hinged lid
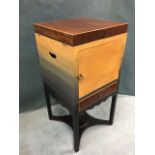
[80,30]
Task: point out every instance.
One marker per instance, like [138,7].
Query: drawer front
[59,67]
[98,95]
[100,63]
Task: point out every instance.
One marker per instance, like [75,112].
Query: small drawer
[97,95]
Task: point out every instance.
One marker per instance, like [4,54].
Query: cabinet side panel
[99,63]
[59,67]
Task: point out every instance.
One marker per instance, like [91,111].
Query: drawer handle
[52,55]
[80,77]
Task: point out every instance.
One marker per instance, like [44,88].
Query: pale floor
[40,136]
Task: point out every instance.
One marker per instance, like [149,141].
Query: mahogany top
[80,30]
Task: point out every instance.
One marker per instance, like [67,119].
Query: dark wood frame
[79,121]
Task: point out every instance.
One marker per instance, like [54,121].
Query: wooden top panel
[80,30]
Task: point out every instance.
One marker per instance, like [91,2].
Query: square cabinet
[80,59]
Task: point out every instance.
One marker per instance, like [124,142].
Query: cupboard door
[100,64]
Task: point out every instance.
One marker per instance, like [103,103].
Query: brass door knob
[80,77]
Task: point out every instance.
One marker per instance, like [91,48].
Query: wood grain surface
[59,71]
[80,30]
[80,58]
[98,95]
[99,62]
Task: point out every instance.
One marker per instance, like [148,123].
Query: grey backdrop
[31,88]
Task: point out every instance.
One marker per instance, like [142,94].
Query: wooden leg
[76,132]
[112,110]
[47,97]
